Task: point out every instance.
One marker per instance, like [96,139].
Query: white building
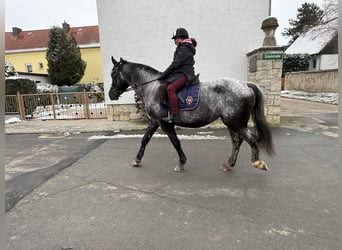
[320,43]
[140,31]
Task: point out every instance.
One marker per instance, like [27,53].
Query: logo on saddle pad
[189,100]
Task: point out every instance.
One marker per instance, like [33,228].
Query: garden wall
[312,81]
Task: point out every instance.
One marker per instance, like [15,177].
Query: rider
[181,69]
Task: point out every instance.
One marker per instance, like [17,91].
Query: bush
[23,85]
[295,62]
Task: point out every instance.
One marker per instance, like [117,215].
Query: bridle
[132,86]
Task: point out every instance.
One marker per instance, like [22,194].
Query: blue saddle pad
[188,98]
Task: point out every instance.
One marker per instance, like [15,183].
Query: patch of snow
[329,98]
[12,120]
[157,135]
[46,88]
[17,77]
[65,111]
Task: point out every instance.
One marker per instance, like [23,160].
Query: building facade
[26,50]
[140,31]
[321,43]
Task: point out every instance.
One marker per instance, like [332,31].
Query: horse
[233,101]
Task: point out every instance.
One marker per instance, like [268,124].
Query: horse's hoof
[260,165]
[225,167]
[179,168]
[136,163]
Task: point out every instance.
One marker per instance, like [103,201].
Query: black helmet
[180,32]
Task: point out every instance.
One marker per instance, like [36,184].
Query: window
[28,67]
[314,63]
[41,66]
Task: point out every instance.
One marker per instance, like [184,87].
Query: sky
[44,14]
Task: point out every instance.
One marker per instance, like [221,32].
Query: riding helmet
[180,32]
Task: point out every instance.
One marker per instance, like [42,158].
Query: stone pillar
[265,69]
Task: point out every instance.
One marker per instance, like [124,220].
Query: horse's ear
[116,64]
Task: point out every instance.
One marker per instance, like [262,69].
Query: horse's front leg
[169,129]
[145,140]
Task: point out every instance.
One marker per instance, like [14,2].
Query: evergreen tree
[308,15]
[65,65]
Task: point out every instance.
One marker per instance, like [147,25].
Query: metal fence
[53,106]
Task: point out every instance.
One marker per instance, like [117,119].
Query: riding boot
[170,118]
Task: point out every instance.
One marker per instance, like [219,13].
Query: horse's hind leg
[236,143]
[145,140]
[169,129]
[252,140]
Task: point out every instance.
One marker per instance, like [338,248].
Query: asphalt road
[100,202]
[31,159]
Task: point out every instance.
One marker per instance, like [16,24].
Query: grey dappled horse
[232,100]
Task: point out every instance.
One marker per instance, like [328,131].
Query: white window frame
[28,67]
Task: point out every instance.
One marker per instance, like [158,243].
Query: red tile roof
[35,39]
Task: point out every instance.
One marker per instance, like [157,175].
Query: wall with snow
[140,31]
[329,62]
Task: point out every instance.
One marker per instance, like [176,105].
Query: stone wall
[265,69]
[312,81]
[123,112]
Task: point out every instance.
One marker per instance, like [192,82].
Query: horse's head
[119,84]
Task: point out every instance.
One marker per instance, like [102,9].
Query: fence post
[21,106]
[86,105]
[53,106]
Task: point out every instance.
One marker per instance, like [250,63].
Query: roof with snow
[38,39]
[314,40]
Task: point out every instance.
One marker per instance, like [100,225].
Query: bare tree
[330,10]
[329,21]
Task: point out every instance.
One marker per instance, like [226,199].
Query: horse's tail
[262,128]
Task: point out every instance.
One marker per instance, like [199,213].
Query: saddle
[188,96]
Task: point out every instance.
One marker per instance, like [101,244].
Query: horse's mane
[144,67]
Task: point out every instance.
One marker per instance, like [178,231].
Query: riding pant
[171,92]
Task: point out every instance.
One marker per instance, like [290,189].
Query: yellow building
[26,50]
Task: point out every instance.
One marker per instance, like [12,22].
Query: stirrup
[169,118]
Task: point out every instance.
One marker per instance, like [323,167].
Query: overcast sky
[44,14]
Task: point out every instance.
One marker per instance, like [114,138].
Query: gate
[53,106]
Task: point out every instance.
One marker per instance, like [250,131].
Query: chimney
[16,31]
[66,27]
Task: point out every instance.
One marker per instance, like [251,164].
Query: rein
[138,85]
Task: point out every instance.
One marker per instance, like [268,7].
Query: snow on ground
[330,98]
[157,135]
[66,111]
[12,119]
